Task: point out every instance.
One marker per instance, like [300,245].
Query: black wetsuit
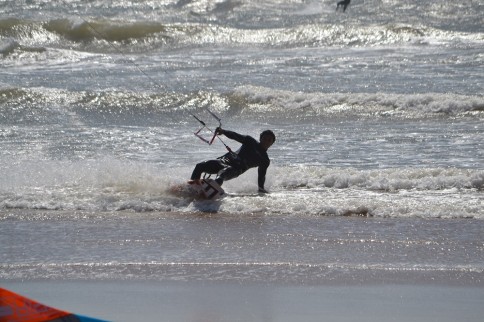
[344,4]
[233,164]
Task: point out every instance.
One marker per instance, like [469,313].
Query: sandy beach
[224,267]
[225,301]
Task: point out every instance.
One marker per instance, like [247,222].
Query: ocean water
[377,172]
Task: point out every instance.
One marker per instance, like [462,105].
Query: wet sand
[227,301]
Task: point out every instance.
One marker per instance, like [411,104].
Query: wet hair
[270,133]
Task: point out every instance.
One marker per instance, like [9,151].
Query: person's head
[267,138]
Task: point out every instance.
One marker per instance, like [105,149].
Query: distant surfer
[344,4]
[231,165]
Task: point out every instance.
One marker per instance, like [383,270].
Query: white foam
[380,180]
[267,99]
[8,45]
[114,185]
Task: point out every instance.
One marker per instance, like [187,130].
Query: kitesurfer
[344,4]
[231,165]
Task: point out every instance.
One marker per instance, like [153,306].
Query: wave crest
[390,180]
[382,104]
[141,33]
[107,30]
[39,105]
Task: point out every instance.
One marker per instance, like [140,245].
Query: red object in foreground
[16,308]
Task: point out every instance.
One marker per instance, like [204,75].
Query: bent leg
[210,167]
[229,173]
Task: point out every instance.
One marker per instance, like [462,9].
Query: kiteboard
[206,189]
[15,307]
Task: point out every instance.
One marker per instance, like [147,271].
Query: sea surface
[377,173]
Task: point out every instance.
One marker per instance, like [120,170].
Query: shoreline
[278,274]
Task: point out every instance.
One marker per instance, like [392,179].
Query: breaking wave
[137,36]
[383,104]
[390,180]
[113,185]
[44,106]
